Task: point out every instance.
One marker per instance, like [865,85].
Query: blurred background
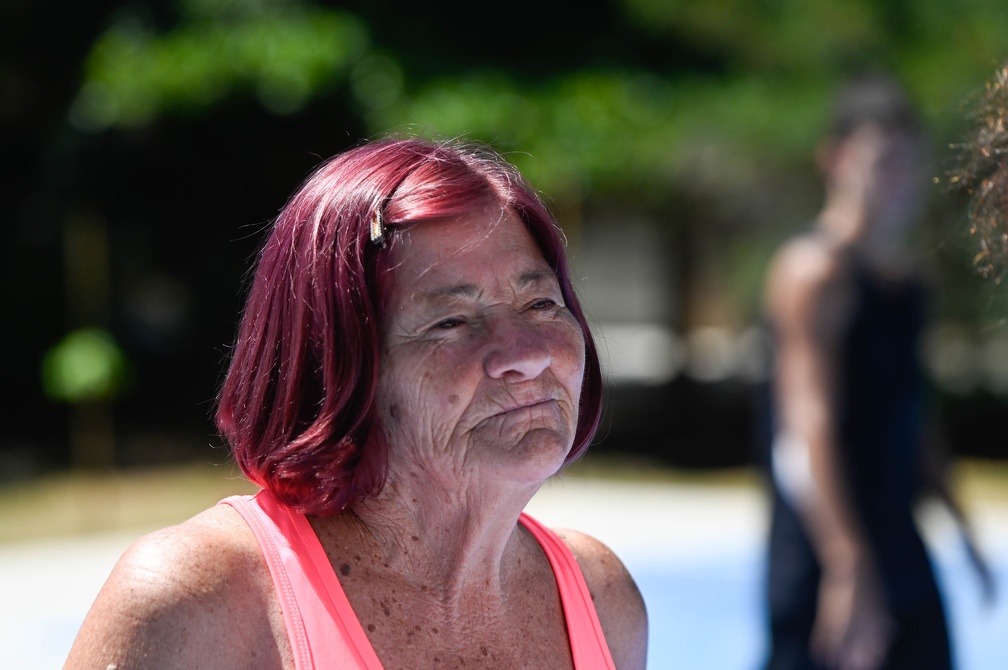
[148,144]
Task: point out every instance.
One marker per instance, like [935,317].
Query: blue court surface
[708,615]
[697,555]
[695,551]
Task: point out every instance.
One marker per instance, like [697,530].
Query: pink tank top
[324,632]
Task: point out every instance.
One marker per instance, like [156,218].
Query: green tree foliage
[281,52]
[85,366]
[741,97]
[185,123]
[649,102]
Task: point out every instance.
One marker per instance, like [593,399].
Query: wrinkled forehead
[474,246]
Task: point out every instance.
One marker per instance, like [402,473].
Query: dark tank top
[881,417]
[881,422]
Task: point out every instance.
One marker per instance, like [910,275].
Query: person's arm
[935,475]
[809,301]
[618,602]
[176,600]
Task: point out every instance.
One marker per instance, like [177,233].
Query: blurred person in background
[850,584]
[412,364]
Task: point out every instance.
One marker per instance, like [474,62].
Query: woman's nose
[517,351]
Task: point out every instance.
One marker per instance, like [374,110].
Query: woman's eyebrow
[439,293]
[533,277]
[471,291]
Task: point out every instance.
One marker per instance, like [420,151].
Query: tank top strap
[588,644]
[323,629]
[321,625]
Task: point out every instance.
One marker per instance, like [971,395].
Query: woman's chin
[534,456]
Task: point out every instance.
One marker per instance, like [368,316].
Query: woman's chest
[409,627]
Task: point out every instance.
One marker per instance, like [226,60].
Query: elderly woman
[411,366]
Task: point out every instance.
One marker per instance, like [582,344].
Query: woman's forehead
[471,244]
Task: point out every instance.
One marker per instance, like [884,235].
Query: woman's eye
[545,303]
[448,324]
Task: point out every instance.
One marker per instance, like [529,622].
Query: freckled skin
[480,377]
[482,362]
[479,383]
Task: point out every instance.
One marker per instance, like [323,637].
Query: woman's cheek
[437,380]
[573,355]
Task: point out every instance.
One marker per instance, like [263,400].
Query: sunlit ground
[692,540]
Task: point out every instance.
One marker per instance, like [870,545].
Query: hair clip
[377,230]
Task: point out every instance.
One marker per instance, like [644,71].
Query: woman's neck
[457,540]
[847,224]
[844,219]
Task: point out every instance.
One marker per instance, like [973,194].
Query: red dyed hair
[297,403]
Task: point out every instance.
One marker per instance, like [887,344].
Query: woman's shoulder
[809,261]
[809,283]
[177,594]
[618,602]
[608,579]
[196,558]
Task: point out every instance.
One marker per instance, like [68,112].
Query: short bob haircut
[297,402]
